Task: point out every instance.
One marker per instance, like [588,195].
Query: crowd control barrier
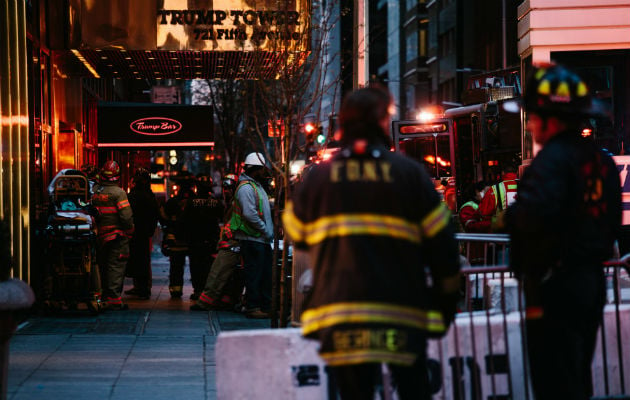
[481,357]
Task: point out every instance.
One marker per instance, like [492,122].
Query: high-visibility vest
[504,194]
[237,223]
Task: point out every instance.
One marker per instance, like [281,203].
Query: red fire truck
[466,144]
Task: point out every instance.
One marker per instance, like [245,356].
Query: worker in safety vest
[115,229]
[252,226]
[498,197]
[469,215]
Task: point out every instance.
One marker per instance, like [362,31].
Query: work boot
[134,291]
[139,293]
[176,292]
[257,314]
[195,295]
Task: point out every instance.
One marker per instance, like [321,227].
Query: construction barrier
[481,357]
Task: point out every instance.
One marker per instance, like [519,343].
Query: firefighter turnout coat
[565,221]
[372,222]
[114,212]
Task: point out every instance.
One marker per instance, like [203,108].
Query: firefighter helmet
[110,171]
[558,90]
[229,181]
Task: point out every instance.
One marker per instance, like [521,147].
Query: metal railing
[485,348]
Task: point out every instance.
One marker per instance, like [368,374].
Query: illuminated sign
[232,25]
[155,126]
[141,125]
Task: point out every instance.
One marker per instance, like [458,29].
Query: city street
[156,350]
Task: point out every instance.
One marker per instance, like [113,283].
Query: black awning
[146,125]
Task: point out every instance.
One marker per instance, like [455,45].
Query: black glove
[447,305]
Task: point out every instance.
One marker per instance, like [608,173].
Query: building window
[412,3]
[422,42]
[447,43]
[410,98]
[411,47]
[447,90]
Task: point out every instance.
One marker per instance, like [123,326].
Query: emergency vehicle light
[423,128]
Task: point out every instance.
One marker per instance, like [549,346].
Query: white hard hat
[255,159]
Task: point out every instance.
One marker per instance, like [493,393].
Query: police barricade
[482,356]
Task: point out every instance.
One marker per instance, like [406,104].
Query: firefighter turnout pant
[200,258]
[112,259]
[561,336]
[221,285]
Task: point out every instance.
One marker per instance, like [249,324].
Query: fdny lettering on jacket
[361,171]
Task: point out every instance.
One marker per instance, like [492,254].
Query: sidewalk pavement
[156,350]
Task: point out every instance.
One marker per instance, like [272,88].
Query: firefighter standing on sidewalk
[371,220]
[115,228]
[201,219]
[563,226]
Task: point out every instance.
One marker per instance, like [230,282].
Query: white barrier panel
[280,364]
[611,356]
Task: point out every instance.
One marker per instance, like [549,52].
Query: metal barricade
[484,355]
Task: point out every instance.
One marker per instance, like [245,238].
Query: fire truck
[466,144]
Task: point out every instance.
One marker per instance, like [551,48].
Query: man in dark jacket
[174,243]
[145,216]
[371,221]
[563,226]
[200,219]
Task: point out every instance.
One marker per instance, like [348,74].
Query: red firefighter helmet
[110,171]
[229,181]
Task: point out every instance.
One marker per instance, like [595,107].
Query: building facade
[425,50]
[594,38]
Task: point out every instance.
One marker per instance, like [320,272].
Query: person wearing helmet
[563,226]
[145,216]
[253,227]
[115,228]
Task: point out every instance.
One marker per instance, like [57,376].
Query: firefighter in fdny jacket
[563,226]
[374,228]
[115,228]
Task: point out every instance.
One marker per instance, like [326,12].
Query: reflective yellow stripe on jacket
[367,312]
[364,224]
[365,356]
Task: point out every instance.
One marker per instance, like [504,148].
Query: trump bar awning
[146,125]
